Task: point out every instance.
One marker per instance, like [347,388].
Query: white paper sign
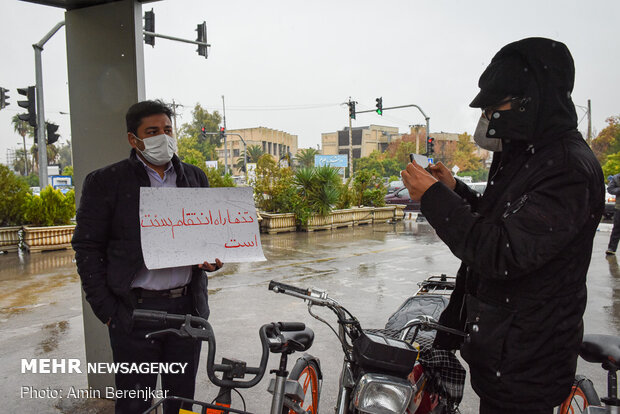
[187,226]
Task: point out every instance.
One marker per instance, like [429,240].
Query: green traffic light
[380,112]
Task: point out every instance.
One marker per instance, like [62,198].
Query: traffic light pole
[245,157]
[178,39]
[428,127]
[40,129]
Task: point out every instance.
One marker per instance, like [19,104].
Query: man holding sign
[110,259]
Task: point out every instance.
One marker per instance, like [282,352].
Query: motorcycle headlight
[382,394]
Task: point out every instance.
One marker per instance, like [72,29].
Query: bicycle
[605,350]
[290,395]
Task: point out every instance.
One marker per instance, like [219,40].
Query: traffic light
[52,136]
[30,104]
[379,105]
[352,109]
[203,133]
[222,132]
[202,37]
[430,146]
[3,98]
[149,26]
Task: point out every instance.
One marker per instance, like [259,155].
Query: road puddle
[53,334]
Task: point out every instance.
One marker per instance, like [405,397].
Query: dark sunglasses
[514,102]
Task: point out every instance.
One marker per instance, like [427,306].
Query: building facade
[365,140]
[274,142]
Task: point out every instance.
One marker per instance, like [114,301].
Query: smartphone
[421,160]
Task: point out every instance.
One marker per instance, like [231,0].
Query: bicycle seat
[293,341]
[602,349]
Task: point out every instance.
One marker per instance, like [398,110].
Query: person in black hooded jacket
[525,244]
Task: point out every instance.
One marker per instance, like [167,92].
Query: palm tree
[305,157]
[254,153]
[23,129]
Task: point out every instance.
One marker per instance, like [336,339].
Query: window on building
[235,152]
[264,146]
[269,148]
[343,137]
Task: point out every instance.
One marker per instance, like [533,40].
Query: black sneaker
[609,252]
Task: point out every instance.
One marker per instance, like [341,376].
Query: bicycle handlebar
[320,297]
[204,332]
[279,287]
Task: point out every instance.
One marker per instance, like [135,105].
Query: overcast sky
[289,65]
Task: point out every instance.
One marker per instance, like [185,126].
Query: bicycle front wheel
[307,372]
[582,395]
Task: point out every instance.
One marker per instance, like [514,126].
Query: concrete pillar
[105,63]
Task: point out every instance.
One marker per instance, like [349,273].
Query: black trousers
[134,348]
[615,232]
[486,408]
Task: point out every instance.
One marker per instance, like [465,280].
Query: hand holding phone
[421,160]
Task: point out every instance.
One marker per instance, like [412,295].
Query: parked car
[610,206]
[394,186]
[401,196]
[479,187]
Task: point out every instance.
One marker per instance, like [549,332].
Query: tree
[23,129]
[64,154]
[191,138]
[305,157]
[612,165]
[68,170]
[607,141]
[254,152]
[464,156]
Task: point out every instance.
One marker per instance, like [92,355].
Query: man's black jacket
[526,244]
[107,237]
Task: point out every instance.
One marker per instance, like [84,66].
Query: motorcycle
[393,369]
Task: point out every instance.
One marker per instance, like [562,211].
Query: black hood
[542,72]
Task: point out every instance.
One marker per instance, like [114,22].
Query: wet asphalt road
[371,270]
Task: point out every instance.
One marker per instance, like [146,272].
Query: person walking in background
[613,187]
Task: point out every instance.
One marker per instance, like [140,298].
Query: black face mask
[517,123]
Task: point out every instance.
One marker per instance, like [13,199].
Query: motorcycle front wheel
[308,373]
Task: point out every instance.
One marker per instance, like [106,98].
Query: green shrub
[216,179]
[369,189]
[347,195]
[50,208]
[274,190]
[319,187]
[308,191]
[13,194]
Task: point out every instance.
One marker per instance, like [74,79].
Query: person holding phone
[525,245]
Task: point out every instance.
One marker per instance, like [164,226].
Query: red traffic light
[222,129]
[203,129]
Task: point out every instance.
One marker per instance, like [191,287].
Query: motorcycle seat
[602,349]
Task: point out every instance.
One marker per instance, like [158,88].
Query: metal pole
[25,155]
[174,118]
[40,128]
[589,122]
[38,48]
[428,130]
[350,146]
[225,147]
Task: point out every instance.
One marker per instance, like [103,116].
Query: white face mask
[158,150]
[480,136]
